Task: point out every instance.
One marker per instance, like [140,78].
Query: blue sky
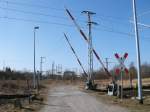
[18,18]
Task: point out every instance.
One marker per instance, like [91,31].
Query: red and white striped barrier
[78,60]
[87,40]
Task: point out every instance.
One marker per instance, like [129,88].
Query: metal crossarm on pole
[87,40]
[78,60]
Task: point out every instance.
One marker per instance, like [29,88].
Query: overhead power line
[144,13]
[33,13]
[38,21]
[29,5]
[69,25]
[42,14]
[36,13]
[104,17]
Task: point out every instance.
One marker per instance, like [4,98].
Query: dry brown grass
[21,85]
[13,86]
[145,81]
[131,104]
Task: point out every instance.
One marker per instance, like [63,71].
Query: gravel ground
[68,98]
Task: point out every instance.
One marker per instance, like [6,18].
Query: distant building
[69,75]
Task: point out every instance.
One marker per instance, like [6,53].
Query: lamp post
[34,76]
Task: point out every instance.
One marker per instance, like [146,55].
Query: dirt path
[66,98]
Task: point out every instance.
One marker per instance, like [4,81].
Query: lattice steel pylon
[87,40]
[90,45]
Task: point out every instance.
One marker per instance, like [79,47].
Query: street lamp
[34,85]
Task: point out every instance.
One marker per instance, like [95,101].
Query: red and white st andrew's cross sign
[121,60]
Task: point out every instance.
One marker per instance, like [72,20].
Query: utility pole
[107,66]
[138,54]
[108,62]
[53,65]
[34,75]
[56,69]
[4,65]
[59,71]
[87,40]
[41,67]
[90,46]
